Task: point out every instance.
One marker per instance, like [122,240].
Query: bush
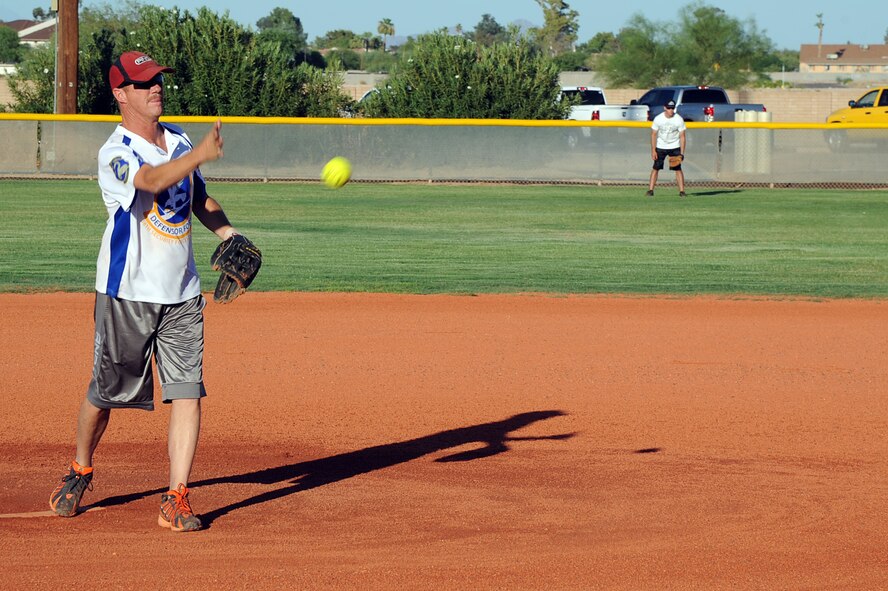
[451,77]
[572,61]
[378,61]
[33,85]
[349,59]
[221,68]
[11,50]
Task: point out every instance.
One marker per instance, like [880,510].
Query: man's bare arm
[155,179]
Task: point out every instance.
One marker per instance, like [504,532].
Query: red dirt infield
[374,442]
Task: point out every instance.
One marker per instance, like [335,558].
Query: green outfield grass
[480,239]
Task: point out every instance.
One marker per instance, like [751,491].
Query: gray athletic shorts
[129,334]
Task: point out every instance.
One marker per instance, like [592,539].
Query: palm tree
[385,28]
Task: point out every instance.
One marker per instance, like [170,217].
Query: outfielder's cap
[670,104]
[134,66]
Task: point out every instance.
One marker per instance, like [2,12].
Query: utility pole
[67,31]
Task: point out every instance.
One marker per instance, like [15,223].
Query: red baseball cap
[134,66]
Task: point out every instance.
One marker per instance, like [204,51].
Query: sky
[788,23]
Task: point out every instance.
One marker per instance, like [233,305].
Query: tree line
[491,71]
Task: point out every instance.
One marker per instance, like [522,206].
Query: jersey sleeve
[118,165]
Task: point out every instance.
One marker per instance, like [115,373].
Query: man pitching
[148,299]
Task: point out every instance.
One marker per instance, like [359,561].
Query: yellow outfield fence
[755,153]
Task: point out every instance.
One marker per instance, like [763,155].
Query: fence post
[763,145]
[744,146]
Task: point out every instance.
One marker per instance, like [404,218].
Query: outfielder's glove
[675,161]
[239,260]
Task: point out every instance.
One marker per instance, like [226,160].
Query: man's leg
[179,359]
[91,424]
[680,179]
[175,508]
[183,435]
[654,174]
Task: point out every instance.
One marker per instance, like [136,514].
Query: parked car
[695,103]
[591,105]
[871,108]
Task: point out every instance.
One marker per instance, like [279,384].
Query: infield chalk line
[41,514]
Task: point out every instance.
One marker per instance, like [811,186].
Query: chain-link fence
[442,151]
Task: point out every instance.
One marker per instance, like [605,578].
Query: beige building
[844,59]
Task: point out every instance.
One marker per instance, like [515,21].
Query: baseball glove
[239,260]
[675,161]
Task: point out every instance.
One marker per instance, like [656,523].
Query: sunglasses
[669,108]
[148,85]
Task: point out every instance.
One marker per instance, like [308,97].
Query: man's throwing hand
[210,148]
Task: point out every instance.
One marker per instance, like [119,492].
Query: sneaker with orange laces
[65,499]
[175,511]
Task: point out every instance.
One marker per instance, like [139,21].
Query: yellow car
[870,109]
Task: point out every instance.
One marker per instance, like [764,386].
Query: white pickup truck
[590,105]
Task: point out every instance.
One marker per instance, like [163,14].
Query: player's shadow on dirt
[493,437]
[304,476]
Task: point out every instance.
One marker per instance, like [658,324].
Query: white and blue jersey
[146,253]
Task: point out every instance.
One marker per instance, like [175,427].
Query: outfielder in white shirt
[667,139]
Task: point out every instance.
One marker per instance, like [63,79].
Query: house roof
[18,25]
[33,31]
[847,53]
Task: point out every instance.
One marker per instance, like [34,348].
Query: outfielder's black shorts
[663,154]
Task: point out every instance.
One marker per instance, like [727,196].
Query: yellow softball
[337,172]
